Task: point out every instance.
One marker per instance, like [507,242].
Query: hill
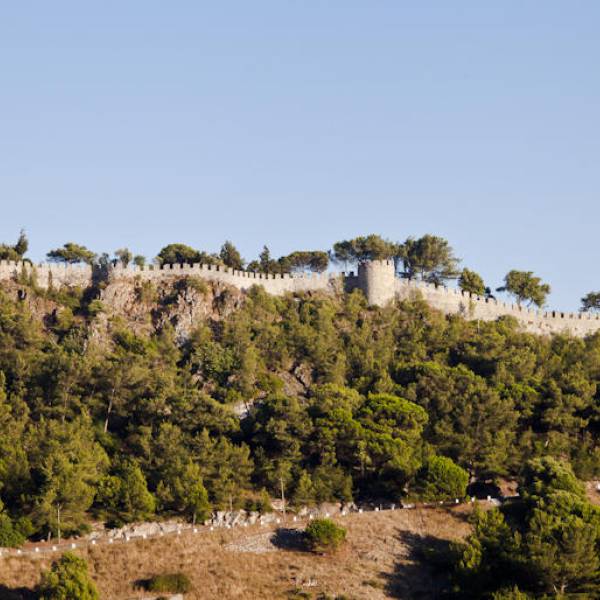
[380,560]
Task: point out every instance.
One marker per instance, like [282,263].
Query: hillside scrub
[324,535]
[340,402]
[176,583]
[68,578]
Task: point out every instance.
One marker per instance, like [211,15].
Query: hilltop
[134,399]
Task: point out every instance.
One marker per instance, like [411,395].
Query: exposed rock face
[142,306]
[183,303]
[41,307]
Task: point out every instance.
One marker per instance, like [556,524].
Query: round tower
[377,280]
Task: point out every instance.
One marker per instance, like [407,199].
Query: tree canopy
[550,546]
[68,579]
[72,253]
[591,302]
[174,254]
[431,258]
[471,282]
[363,248]
[231,257]
[525,287]
[17,251]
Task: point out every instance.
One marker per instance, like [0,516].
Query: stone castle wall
[275,284]
[376,279]
[47,274]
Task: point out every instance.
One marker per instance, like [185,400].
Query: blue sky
[297,124]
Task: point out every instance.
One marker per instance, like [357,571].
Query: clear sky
[299,123]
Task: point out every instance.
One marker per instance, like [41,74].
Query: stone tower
[377,280]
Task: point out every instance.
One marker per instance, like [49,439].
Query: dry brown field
[381,559]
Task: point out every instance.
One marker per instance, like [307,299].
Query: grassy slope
[380,560]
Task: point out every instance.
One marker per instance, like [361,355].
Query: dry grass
[378,561]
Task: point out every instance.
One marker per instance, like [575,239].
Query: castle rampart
[47,275]
[377,279]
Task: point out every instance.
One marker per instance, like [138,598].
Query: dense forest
[313,397]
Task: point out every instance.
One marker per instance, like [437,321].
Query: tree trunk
[58,522]
[282,495]
[109,410]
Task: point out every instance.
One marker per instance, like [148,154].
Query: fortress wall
[376,279]
[46,274]
[452,301]
[273,283]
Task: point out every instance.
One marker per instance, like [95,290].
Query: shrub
[197,284]
[95,307]
[259,503]
[10,536]
[510,594]
[176,583]
[441,479]
[323,535]
[68,578]
[146,292]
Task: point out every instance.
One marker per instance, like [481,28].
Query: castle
[377,280]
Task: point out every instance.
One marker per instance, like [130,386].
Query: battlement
[474,307]
[47,274]
[377,279]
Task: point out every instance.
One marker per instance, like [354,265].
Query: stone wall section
[472,307]
[47,274]
[377,279]
[275,284]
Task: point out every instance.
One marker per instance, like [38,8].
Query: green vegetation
[72,253]
[323,535]
[174,254]
[231,257]
[471,282]
[16,251]
[525,287]
[345,402]
[124,256]
[340,401]
[441,479]
[68,579]
[431,258]
[591,302]
[549,545]
[174,583]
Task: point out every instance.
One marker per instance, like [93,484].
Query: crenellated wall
[382,286]
[47,274]
[275,284]
[453,301]
[376,279]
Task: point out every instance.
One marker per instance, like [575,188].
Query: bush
[323,535]
[68,579]
[197,284]
[441,479]
[260,503]
[95,307]
[510,594]
[10,536]
[176,583]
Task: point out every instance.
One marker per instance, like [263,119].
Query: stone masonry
[377,280]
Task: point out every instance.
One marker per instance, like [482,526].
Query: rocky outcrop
[147,306]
